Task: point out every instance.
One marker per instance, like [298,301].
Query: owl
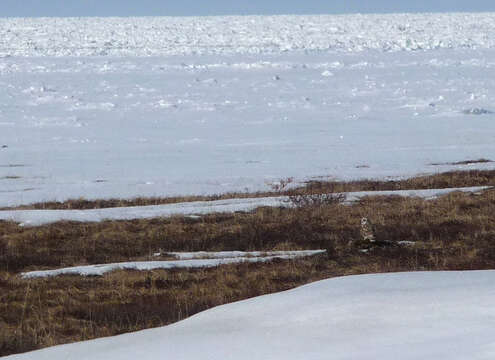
[367,230]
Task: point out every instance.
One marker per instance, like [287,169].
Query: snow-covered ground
[83,111]
[424,315]
[188,261]
[41,217]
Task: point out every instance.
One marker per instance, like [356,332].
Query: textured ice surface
[407,316]
[156,36]
[247,109]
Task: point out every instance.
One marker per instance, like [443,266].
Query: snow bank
[158,36]
[407,316]
[40,217]
[190,263]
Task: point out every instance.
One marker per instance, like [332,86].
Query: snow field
[123,127]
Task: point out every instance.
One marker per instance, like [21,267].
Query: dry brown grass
[41,312]
[437,181]
[465,162]
[451,233]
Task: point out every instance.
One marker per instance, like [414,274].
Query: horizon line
[254,14]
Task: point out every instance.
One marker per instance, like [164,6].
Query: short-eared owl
[367,230]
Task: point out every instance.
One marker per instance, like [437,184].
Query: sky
[30,8]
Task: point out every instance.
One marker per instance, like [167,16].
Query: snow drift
[424,315]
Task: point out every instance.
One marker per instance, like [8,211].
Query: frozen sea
[101,108]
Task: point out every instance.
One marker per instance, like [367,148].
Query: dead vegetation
[465,162]
[454,232]
[314,187]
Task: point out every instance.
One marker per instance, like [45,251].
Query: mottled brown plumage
[367,230]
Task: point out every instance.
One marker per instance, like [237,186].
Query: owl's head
[364,221]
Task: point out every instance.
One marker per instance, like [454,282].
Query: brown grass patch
[466,162]
[12,165]
[455,232]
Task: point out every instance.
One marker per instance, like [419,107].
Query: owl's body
[367,230]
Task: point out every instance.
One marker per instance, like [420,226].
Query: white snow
[423,315]
[40,217]
[119,108]
[236,254]
[189,263]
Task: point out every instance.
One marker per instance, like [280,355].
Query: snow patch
[41,217]
[191,263]
[237,254]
